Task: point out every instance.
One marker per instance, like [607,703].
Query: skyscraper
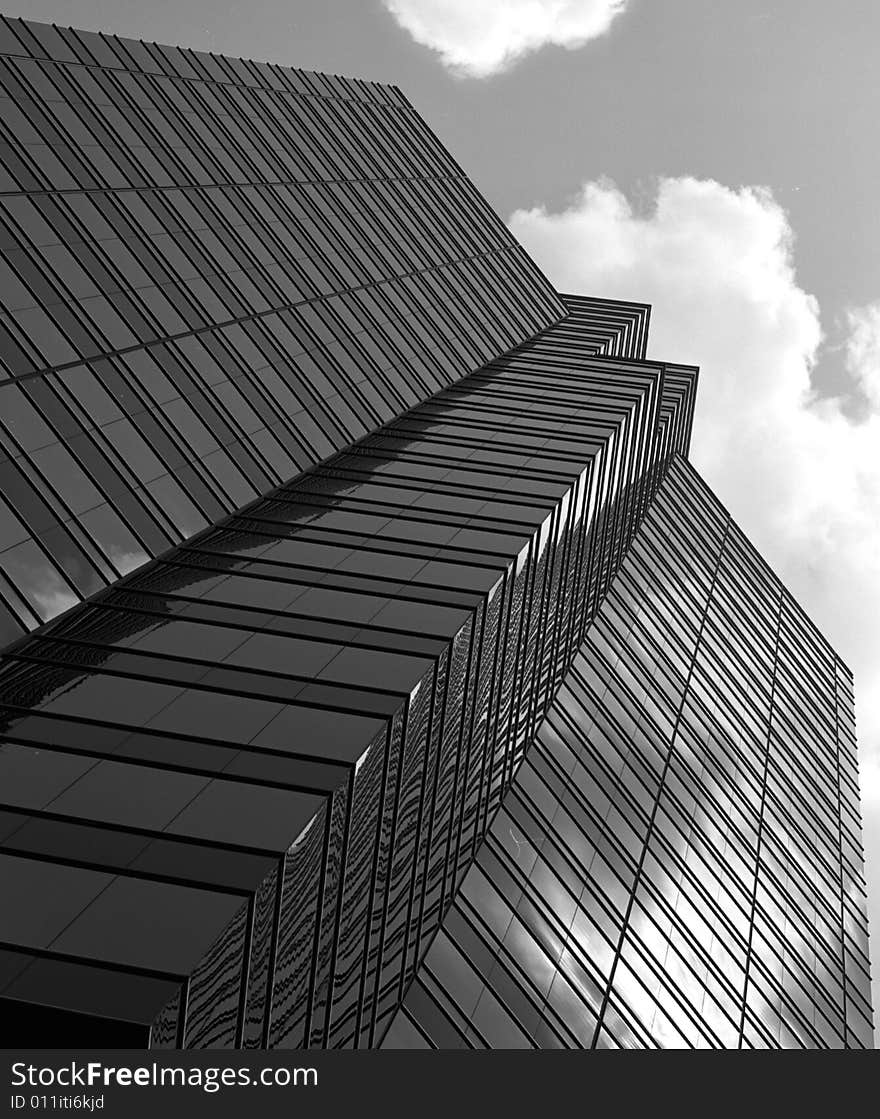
[379,670]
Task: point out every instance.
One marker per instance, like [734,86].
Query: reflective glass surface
[677,863]
[310,713]
[215,273]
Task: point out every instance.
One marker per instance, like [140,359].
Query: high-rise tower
[377,667]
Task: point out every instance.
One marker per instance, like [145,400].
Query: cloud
[863,350]
[801,477]
[479,38]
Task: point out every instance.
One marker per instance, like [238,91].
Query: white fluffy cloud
[863,351]
[801,478]
[478,38]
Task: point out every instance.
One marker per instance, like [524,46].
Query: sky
[716,159]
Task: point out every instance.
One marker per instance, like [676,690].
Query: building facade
[676,862]
[377,669]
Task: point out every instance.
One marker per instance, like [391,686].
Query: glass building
[376,669]
[676,862]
